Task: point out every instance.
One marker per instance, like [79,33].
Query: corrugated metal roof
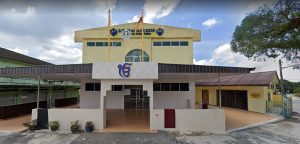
[11,55]
[260,78]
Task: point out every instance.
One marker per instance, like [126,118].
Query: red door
[169,118]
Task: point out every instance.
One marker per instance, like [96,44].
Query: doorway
[205,97]
[135,117]
[233,99]
[138,99]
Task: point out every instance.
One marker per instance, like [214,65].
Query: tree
[270,32]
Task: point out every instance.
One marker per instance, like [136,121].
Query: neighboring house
[251,91]
[15,91]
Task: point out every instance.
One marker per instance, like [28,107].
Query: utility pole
[38,92]
[281,78]
[281,87]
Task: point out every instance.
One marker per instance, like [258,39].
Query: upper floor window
[136,56]
[170,43]
[101,44]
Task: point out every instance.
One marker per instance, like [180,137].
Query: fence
[276,107]
[20,109]
[26,108]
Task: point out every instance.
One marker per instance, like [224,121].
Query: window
[174,43]
[97,86]
[156,43]
[184,43]
[116,87]
[90,43]
[156,87]
[170,86]
[174,86]
[92,87]
[136,56]
[184,86]
[99,44]
[116,44]
[166,43]
[165,87]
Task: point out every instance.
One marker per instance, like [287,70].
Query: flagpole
[142,36]
[108,35]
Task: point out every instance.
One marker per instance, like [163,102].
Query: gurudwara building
[145,83]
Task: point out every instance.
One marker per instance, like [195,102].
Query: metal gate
[278,108]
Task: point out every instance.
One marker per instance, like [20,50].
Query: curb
[255,125]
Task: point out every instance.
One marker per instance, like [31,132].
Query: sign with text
[127,33]
[126,70]
[255,95]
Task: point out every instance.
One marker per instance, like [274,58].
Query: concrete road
[287,131]
[296,104]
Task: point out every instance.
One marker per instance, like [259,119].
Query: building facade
[150,78]
[163,44]
[16,91]
[252,91]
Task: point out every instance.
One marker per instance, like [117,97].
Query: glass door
[137,99]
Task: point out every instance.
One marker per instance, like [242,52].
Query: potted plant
[75,127]
[32,125]
[89,126]
[53,125]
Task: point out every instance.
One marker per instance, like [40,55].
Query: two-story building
[134,83]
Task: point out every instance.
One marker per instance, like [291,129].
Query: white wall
[89,99]
[205,120]
[115,99]
[66,116]
[174,99]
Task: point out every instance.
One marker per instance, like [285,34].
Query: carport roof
[77,72]
[11,55]
[248,79]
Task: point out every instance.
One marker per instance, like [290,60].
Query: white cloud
[18,50]
[104,5]
[223,55]
[134,19]
[61,50]
[45,33]
[156,10]
[210,22]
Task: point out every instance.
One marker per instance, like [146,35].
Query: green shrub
[32,125]
[75,127]
[54,125]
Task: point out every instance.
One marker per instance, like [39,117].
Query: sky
[45,29]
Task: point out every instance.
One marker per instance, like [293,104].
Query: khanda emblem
[124,69]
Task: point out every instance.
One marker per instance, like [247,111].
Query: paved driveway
[14,124]
[287,131]
[235,118]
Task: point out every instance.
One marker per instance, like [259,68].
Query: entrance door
[205,97]
[137,99]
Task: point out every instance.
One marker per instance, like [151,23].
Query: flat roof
[14,56]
